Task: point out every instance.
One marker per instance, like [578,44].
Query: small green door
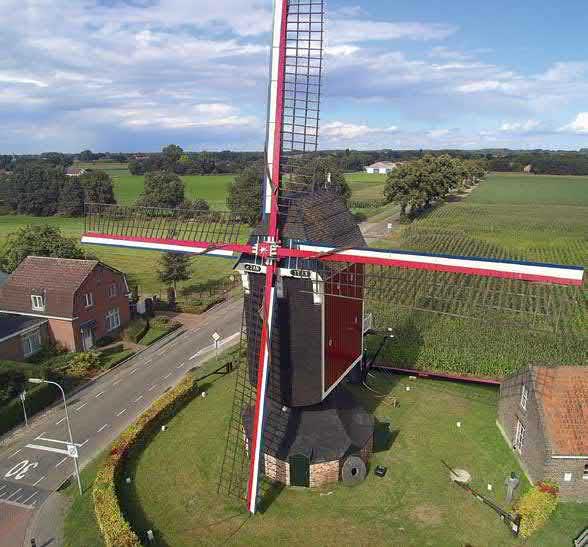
[299,470]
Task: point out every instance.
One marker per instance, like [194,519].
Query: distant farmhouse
[381,167]
[70,302]
[528,168]
[543,413]
[74,172]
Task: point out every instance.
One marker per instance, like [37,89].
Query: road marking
[116,382]
[58,441]
[152,387]
[15,453]
[181,364]
[167,376]
[47,448]
[148,361]
[133,371]
[147,365]
[40,435]
[102,428]
[15,492]
[138,399]
[61,461]
[35,484]
[31,496]
[100,394]
[80,407]
[57,423]
[2,487]
[122,411]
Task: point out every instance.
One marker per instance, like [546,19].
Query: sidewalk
[46,526]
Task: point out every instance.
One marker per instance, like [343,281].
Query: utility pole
[23,396]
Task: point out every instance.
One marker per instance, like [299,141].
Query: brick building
[80,300]
[21,336]
[543,413]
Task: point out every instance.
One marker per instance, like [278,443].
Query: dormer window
[524,396]
[88,299]
[37,302]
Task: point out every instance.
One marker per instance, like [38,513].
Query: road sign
[216,336]
[72,450]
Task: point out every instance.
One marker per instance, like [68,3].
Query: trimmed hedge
[39,397]
[135,330]
[535,507]
[115,529]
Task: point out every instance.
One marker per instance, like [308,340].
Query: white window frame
[112,319]
[31,342]
[585,474]
[568,477]
[112,291]
[88,300]
[37,302]
[519,439]
[524,396]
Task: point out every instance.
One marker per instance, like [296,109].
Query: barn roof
[382,164]
[562,396]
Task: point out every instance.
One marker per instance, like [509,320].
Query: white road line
[138,399]
[35,484]
[102,428]
[100,394]
[62,419]
[80,445]
[80,407]
[15,500]
[15,453]
[3,487]
[152,387]
[181,365]
[31,496]
[15,492]
[122,411]
[148,361]
[58,441]
[133,371]
[61,461]
[40,436]
[167,376]
[47,448]
[116,382]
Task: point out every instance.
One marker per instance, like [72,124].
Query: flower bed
[113,525]
[535,507]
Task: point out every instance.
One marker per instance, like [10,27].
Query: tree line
[416,185]
[41,189]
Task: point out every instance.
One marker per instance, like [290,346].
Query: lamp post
[71,442]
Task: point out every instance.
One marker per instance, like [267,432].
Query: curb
[157,344]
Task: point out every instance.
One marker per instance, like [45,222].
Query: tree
[162,189]
[86,155]
[244,197]
[43,240]
[97,187]
[174,267]
[136,167]
[71,198]
[171,155]
[33,188]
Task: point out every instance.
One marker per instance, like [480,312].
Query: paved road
[32,462]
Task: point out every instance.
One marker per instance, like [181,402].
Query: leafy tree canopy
[174,267]
[321,173]
[97,187]
[43,240]
[71,198]
[244,197]
[162,189]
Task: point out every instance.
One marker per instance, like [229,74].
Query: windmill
[307,254]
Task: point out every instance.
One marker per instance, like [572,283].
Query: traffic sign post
[23,396]
[216,337]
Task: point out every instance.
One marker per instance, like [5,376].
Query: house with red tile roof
[79,301]
[543,414]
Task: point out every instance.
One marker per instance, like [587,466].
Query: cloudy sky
[134,75]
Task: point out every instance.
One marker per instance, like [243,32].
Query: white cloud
[483,86]
[344,131]
[438,133]
[520,127]
[346,30]
[579,124]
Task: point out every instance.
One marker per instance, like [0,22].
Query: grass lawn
[174,482]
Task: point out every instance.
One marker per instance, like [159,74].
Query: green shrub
[535,508]
[81,364]
[38,397]
[116,531]
[135,330]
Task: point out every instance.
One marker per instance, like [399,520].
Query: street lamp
[71,442]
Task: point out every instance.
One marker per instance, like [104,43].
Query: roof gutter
[570,457]
[28,314]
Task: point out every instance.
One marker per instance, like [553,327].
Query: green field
[174,480]
[536,218]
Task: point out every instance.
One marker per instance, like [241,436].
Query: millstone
[353,470]
[460,475]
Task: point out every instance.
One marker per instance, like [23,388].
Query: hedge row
[135,330]
[535,507]
[38,398]
[116,531]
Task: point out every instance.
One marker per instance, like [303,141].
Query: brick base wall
[324,473]
[277,470]
[574,490]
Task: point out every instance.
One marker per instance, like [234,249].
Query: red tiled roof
[56,278]
[562,394]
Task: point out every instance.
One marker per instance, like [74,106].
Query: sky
[135,75]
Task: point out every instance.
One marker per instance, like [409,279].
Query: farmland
[538,218]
